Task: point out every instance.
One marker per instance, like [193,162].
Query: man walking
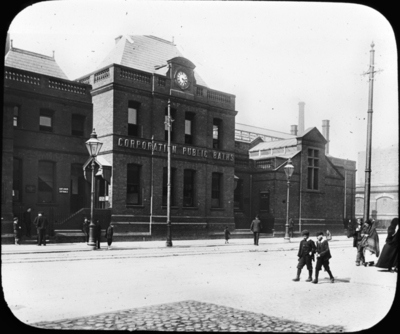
[256,227]
[323,256]
[305,255]
[41,224]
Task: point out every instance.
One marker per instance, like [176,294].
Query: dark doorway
[78,188]
[267,219]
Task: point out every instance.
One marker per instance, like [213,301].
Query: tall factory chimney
[301,118]
[293,130]
[325,133]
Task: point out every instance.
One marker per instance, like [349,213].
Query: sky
[270,55]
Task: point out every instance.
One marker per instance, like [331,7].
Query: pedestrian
[85,229]
[28,221]
[41,224]
[369,242]
[356,234]
[305,255]
[328,235]
[227,235]
[109,235]
[323,256]
[97,234]
[389,255]
[291,227]
[256,227]
[17,230]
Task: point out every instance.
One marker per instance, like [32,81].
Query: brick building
[46,119]
[222,173]
[322,187]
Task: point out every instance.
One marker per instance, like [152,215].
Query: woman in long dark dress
[390,251]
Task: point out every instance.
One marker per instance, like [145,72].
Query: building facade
[384,198]
[222,173]
[46,119]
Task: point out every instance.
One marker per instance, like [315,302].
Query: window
[77,125]
[189,117]
[46,120]
[216,187]
[133,185]
[165,186]
[216,133]
[238,195]
[46,182]
[313,169]
[16,116]
[133,125]
[188,188]
[17,180]
[173,112]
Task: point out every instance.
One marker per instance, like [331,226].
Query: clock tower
[182,77]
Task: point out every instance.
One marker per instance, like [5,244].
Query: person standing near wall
[85,229]
[256,227]
[109,235]
[41,224]
[97,234]
[17,230]
[291,227]
[28,222]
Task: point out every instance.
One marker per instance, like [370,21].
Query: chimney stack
[325,133]
[293,130]
[301,118]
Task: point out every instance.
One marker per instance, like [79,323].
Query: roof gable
[313,134]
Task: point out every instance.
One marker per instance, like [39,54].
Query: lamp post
[289,168]
[93,146]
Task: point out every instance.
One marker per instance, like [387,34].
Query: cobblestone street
[187,316]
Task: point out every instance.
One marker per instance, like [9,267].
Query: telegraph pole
[367,186]
[169,124]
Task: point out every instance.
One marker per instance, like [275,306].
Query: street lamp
[289,168]
[93,146]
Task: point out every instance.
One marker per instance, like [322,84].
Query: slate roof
[262,132]
[33,62]
[144,53]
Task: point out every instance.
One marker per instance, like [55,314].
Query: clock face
[182,79]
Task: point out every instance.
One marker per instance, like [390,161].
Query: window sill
[134,206]
[217,209]
[190,208]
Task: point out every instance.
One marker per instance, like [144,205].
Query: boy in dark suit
[305,254]
[323,256]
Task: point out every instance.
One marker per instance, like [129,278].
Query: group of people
[306,254]
[40,222]
[97,233]
[366,240]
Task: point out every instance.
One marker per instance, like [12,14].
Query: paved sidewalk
[235,245]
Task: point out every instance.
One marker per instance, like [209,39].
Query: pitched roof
[33,62]
[274,144]
[248,133]
[144,53]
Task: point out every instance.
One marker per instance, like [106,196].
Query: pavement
[147,248]
[202,309]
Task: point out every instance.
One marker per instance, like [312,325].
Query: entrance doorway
[267,219]
[78,188]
